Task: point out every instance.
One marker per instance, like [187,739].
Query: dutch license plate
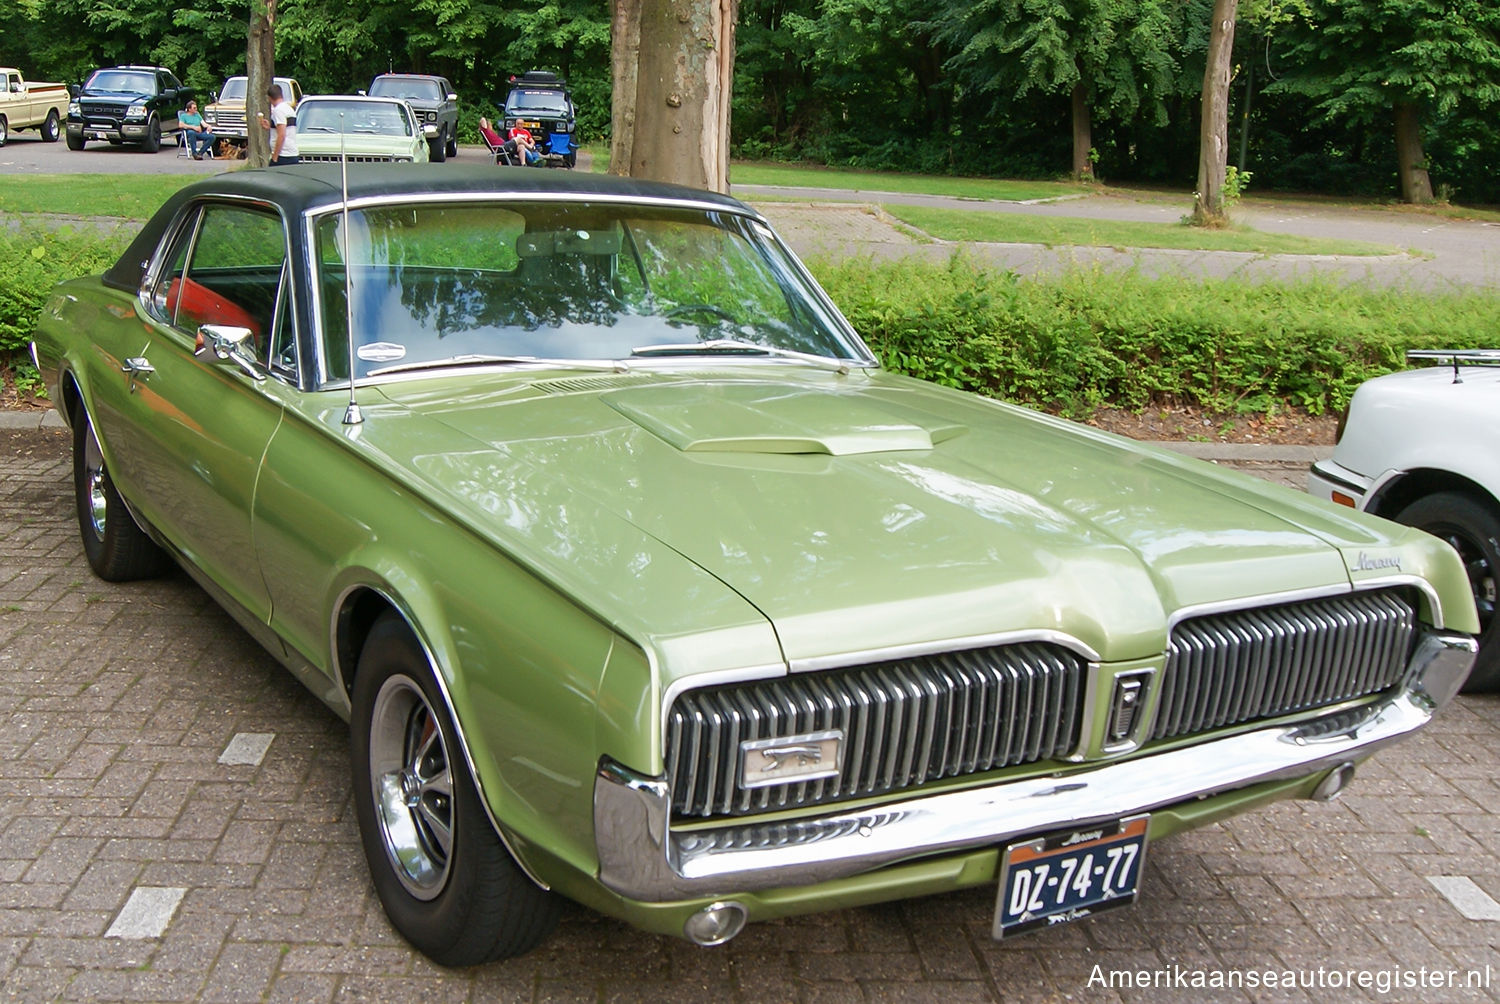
[1069,876]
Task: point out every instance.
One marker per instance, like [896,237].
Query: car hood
[868,512]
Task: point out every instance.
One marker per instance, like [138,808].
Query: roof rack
[1456,357]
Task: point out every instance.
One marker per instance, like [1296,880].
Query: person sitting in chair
[199,138]
[526,146]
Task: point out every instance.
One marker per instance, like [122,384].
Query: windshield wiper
[485,360]
[734,346]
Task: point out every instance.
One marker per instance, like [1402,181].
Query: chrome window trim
[312,217]
[194,208]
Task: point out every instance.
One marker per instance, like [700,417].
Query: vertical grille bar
[904,723]
[1224,669]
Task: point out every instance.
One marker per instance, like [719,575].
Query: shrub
[1086,338]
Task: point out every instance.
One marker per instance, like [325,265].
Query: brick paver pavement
[117,701]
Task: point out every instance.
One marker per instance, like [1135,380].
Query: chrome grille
[333,158]
[1224,669]
[904,723]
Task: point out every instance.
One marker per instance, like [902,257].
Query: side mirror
[230,343]
[452,96]
[170,94]
[74,90]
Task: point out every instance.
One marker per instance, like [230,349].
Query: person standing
[283,128]
[199,139]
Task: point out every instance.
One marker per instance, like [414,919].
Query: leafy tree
[1362,60]
[1113,55]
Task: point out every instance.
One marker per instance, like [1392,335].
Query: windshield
[536,102]
[123,82]
[234,89]
[405,87]
[563,281]
[380,118]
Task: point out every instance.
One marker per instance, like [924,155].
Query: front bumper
[642,858]
[1325,479]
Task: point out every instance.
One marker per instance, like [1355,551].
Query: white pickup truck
[30,106]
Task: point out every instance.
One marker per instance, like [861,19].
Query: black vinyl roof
[310,187]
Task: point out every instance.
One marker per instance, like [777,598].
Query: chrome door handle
[137,366]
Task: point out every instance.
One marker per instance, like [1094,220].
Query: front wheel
[446,881]
[117,549]
[49,127]
[76,142]
[152,142]
[435,150]
[452,148]
[1473,530]
[4,130]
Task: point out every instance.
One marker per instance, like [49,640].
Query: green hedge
[1068,343]
[1087,338]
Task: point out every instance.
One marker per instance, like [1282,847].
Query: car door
[173,100]
[198,426]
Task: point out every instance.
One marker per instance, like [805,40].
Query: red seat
[201,305]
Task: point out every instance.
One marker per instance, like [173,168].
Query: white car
[1421,447]
[360,129]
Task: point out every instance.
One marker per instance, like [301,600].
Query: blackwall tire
[50,127]
[117,549]
[1472,528]
[444,878]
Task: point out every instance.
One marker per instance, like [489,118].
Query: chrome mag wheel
[412,787]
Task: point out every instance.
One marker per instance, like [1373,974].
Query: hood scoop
[777,419]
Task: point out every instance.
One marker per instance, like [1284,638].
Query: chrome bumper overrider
[642,858]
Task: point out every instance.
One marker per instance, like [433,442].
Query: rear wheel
[117,549]
[49,127]
[446,881]
[1473,530]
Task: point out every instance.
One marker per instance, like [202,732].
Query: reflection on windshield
[559,282]
[131,83]
[382,118]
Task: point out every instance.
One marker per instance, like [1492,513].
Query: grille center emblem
[791,759]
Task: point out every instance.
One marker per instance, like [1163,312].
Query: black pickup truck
[126,104]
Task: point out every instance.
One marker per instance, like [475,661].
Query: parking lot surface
[176,825]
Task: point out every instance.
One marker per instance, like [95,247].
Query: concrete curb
[28,419]
[1229,452]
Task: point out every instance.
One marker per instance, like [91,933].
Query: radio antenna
[352,414]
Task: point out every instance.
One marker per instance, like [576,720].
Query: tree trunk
[1083,134]
[1213,140]
[260,71]
[684,68]
[1416,186]
[625,54]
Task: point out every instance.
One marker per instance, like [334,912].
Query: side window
[227,270]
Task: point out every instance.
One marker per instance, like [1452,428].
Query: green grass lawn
[1054,231]
[998,189]
[133,196]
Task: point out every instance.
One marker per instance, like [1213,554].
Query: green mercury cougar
[641,583]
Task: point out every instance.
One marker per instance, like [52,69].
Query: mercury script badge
[1365,563]
[790,759]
